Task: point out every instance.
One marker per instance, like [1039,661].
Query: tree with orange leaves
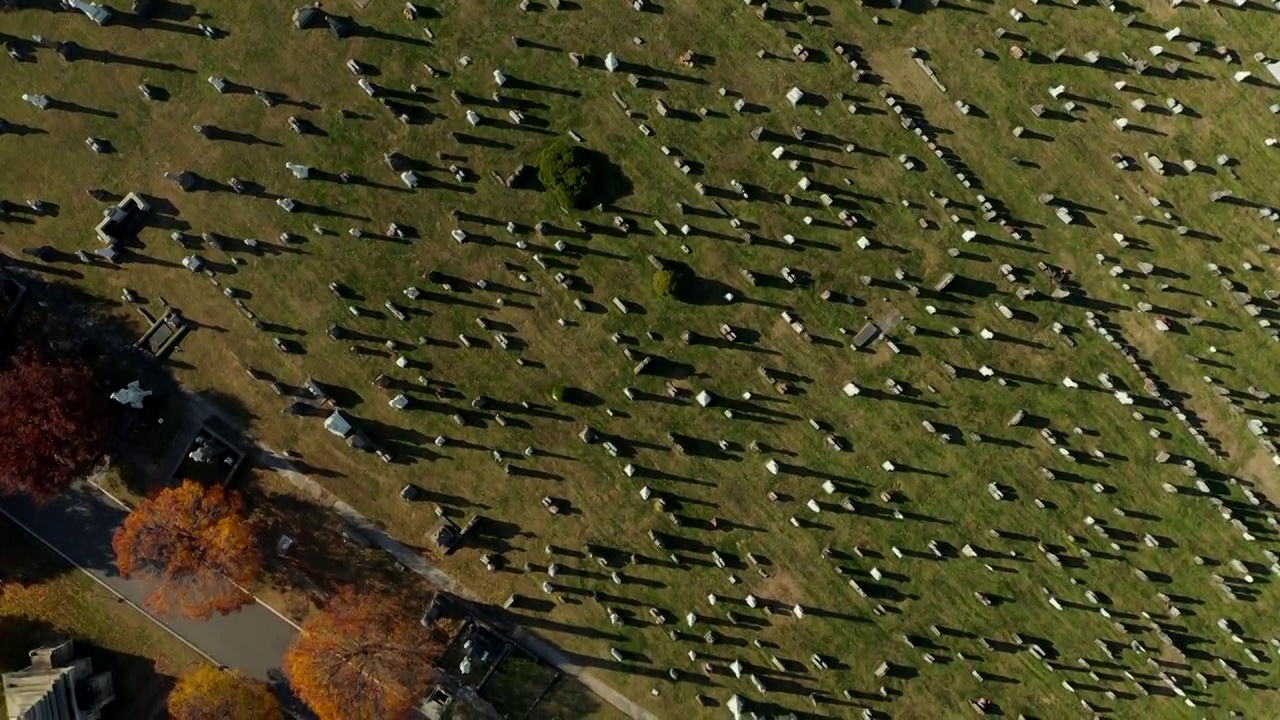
[197,542]
[208,693]
[362,658]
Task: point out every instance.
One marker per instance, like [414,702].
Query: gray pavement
[79,525]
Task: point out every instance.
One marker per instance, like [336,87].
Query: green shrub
[559,393]
[666,283]
[567,172]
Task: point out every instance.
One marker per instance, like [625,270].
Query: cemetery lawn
[940,489]
[569,699]
[45,599]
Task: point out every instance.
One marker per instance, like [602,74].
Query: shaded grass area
[940,489]
[517,684]
[570,699]
[43,599]
[322,559]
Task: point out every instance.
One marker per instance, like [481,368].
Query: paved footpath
[414,561]
[79,524]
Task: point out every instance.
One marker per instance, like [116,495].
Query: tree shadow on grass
[611,183]
[324,556]
[696,290]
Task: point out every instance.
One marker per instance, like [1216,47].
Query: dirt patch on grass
[878,356]
[781,587]
[1262,471]
[1211,412]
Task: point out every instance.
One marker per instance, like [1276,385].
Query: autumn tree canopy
[54,423]
[197,541]
[364,657]
[208,693]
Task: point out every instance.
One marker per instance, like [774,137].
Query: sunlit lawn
[942,488]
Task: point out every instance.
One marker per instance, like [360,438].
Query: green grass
[44,599]
[950,481]
[570,699]
[517,684]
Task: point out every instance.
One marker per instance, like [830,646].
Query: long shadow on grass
[140,23]
[369,32]
[106,57]
[321,560]
[68,106]
[243,138]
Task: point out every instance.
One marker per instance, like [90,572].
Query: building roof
[56,686]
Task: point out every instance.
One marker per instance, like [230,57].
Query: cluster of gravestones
[1174,678]
[1129,663]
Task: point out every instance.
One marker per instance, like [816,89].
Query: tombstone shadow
[521,84]
[535,45]
[358,30]
[496,535]
[319,210]
[581,398]
[138,22]
[172,11]
[21,130]
[481,141]
[106,57]
[68,106]
[650,72]
[1144,130]
[945,5]
[221,134]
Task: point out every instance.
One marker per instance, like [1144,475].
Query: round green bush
[666,283]
[559,393]
[567,172]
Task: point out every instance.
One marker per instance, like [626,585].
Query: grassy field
[44,599]
[940,489]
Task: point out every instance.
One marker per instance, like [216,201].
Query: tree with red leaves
[54,423]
